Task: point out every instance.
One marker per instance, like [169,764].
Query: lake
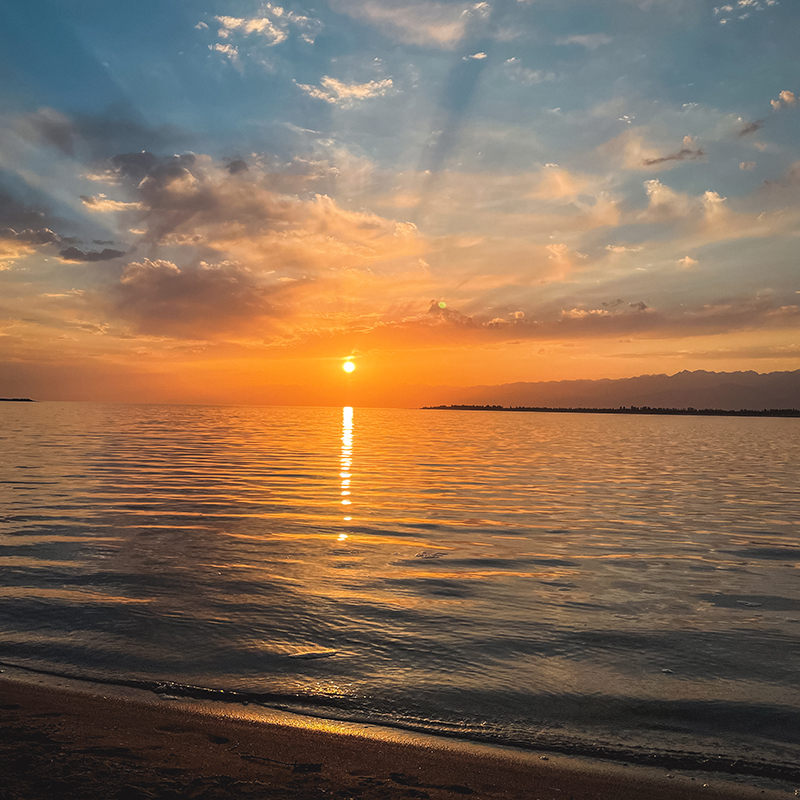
[615,585]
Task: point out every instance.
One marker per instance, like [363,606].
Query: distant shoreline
[692,412]
[16,400]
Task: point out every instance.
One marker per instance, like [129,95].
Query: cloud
[747,165]
[741,9]
[30,236]
[22,229]
[613,308]
[94,136]
[529,77]
[665,203]
[785,99]
[633,152]
[422,23]
[591,41]
[346,94]
[73,254]
[194,301]
[440,312]
[564,259]
[714,206]
[227,50]
[622,248]
[752,127]
[102,203]
[240,219]
[133,165]
[263,26]
[789,180]
[14,213]
[684,154]
[687,262]
[272,27]
[708,212]
[475,57]
[554,182]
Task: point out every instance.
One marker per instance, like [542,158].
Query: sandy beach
[67,742]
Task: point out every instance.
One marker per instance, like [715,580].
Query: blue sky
[448,192]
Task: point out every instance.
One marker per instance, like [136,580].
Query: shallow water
[584,582]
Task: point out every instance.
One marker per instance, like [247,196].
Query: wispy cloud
[101,203]
[424,23]
[529,77]
[263,26]
[741,10]
[271,26]
[752,127]
[591,41]
[684,154]
[346,94]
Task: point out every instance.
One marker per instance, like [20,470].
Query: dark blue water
[618,584]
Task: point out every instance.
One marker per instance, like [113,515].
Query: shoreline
[269,705]
[70,738]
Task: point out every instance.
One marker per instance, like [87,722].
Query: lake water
[619,585]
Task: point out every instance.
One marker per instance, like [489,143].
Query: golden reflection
[346,461]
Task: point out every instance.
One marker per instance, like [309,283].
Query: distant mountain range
[700,389]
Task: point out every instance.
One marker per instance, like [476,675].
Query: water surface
[572,581]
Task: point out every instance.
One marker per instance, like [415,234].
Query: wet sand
[59,741]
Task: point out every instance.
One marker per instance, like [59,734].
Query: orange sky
[448,194]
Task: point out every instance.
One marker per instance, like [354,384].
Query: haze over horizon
[224,200]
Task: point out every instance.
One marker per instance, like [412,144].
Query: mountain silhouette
[698,389]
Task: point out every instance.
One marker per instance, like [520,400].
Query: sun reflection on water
[346,461]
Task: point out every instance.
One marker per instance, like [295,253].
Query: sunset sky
[223,200]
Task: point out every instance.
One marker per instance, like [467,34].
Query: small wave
[345,710]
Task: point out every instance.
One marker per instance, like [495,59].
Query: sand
[65,739]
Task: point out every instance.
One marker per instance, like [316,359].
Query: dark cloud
[73,254]
[30,236]
[96,136]
[103,241]
[193,302]
[173,193]
[752,127]
[640,306]
[16,214]
[21,223]
[686,154]
[185,195]
[54,129]
[134,165]
[237,166]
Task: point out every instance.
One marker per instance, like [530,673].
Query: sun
[348,366]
